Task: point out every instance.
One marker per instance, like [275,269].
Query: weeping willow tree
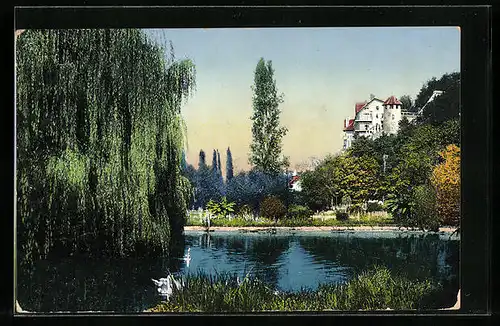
[99,143]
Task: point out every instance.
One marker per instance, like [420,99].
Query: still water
[287,261]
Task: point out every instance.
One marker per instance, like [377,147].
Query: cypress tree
[218,163]
[202,162]
[229,165]
[214,162]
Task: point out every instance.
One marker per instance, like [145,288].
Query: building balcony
[364,118]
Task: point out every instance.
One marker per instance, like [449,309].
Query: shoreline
[311,228]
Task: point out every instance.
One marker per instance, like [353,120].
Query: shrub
[402,208]
[245,212]
[272,208]
[374,207]
[341,215]
[221,209]
[426,207]
[299,212]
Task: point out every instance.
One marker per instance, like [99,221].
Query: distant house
[294,183]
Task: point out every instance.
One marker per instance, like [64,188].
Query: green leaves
[100,138]
[221,209]
[265,149]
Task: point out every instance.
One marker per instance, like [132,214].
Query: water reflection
[285,261]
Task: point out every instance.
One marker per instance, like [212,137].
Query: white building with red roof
[373,118]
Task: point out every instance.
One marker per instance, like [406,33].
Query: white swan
[187,258]
[164,286]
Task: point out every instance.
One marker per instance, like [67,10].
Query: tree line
[267,176]
[243,188]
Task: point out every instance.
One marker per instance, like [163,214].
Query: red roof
[295,178]
[359,106]
[350,126]
[392,101]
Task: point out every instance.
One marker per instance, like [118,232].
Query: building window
[377,107]
[366,127]
[376,115]
[393,117]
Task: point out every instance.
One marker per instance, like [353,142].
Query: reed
[376,289]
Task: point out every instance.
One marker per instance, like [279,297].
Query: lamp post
[384,157]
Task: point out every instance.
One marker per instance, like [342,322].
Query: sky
[322,73]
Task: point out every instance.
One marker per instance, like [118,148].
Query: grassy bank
[373,290]
[362,220]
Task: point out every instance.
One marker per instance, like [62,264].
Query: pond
[287,261]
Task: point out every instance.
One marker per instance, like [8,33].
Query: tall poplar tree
[266,147]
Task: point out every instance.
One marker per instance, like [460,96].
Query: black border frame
[476,122]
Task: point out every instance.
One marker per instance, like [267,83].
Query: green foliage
[341,215]
[414,169]
[337,176]
[314,195]
[207,181]
[360,179]
[402,208]
[442,108]
[245,211]
[214,166]
[229,165]
[221,209]
[266,147]
[450,133]
[426,210]
[99,142]
[299,212]
[376,289]
[407,103]
[251,188]
[374,207]
[244,221]
[272,208]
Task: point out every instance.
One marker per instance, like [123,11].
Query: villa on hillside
[376,117]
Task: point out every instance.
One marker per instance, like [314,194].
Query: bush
[426,208]
[272,208]
[222,209]
[341,215]
[374,207]
[245,211]
[299,212]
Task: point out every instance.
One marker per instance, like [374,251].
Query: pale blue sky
[321,71]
